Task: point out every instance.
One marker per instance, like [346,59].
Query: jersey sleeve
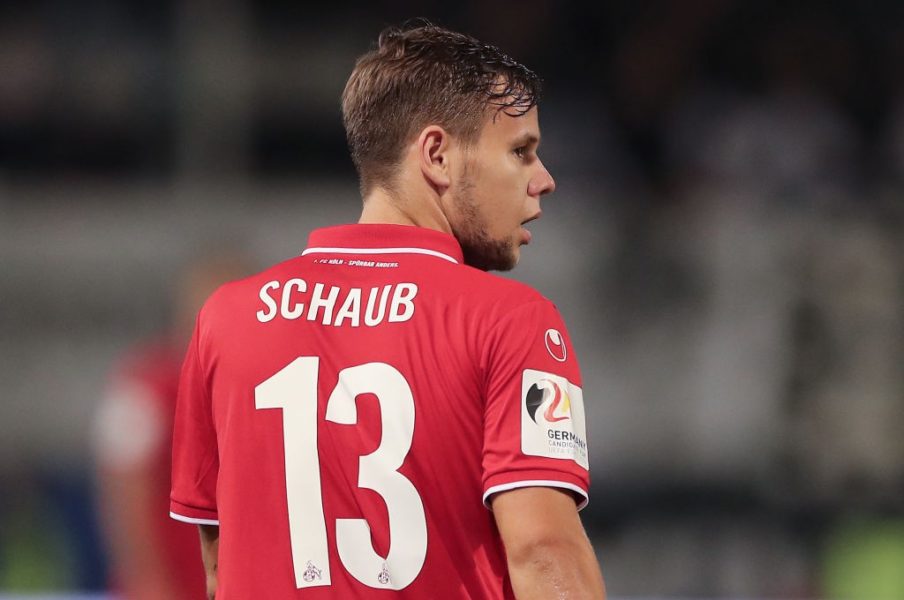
[195,457]
[534,426]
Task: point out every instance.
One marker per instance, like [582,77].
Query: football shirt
[344,417]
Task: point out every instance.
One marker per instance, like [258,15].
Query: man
[152,557]
[342,414]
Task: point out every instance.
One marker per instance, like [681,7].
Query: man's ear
[435,154]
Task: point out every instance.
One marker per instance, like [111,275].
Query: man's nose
[542,182]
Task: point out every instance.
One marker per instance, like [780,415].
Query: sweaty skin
[210,546]
[549,555]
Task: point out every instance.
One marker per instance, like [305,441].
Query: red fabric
[156,367]
[463,352]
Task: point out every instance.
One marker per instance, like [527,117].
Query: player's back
[347,391]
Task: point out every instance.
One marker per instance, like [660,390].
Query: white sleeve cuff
[193,520]
[536,483]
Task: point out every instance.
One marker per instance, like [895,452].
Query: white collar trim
[379,251]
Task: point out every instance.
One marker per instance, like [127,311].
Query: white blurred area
[737,309]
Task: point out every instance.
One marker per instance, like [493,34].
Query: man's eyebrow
[526,139]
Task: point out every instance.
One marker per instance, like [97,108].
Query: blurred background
[726,244]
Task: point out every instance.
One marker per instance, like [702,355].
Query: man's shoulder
[227,295]
[497,286]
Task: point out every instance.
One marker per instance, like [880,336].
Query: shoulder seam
[541,300]
[201,368]
[506,317]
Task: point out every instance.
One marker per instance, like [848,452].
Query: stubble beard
[478,248]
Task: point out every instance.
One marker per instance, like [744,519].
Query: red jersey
[133,432]
[345,415]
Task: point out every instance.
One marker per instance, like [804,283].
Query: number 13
[294,390]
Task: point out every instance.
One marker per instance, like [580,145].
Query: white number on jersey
[294,390]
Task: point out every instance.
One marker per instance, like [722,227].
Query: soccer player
[152,557]
[379,417]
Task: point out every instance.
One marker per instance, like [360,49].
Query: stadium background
[725,244]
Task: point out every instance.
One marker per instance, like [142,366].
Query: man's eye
[520,152]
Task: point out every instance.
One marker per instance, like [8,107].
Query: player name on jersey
[335,305]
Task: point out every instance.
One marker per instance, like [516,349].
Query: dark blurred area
[118,89]
[726,245]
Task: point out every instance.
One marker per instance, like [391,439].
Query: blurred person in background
[152,556]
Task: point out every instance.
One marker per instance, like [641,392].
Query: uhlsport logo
[552,417]
[555,344]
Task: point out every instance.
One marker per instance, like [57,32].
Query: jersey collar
[384,239]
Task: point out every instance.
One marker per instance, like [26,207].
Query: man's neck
[381,206]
